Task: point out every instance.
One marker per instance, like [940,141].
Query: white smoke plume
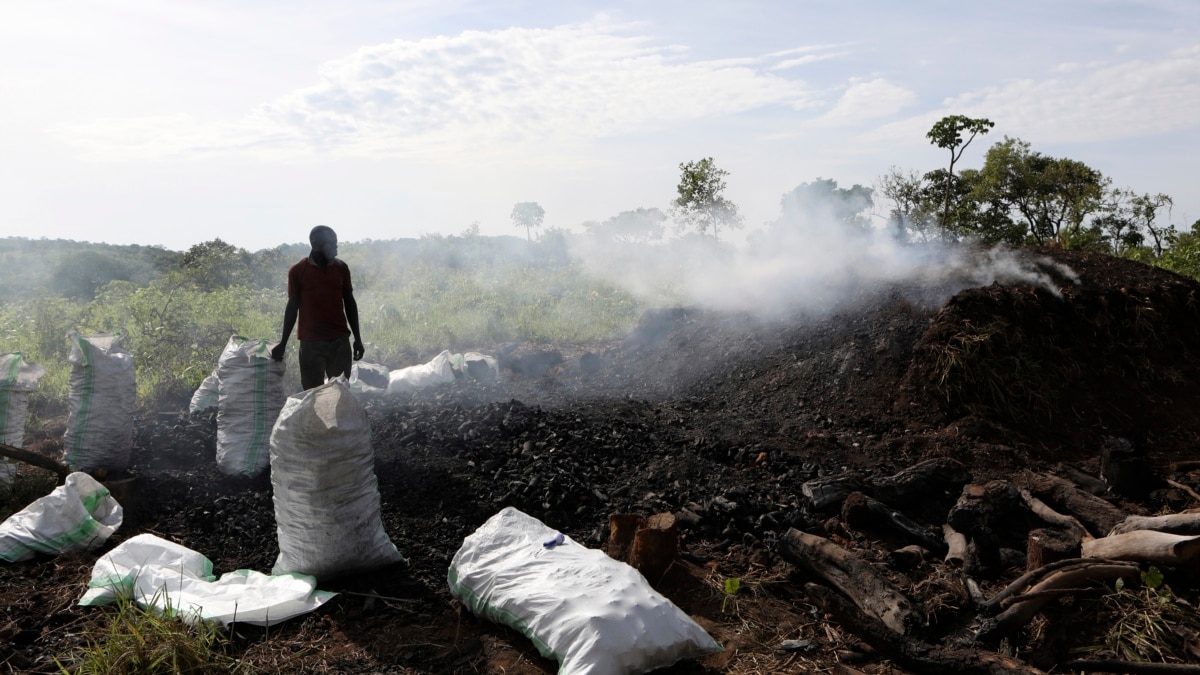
[805,268]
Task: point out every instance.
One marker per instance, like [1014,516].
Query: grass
[1146,624]
[29,485]
[137,640]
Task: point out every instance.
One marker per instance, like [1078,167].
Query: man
[320,292]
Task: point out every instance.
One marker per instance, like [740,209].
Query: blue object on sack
[558,539]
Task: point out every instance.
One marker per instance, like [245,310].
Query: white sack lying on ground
[327,512]
[593,614]
[99,432]
[176,580]
[78,515]
[18,378]
[251,394]
[437,371]
[207,394]
[369,380]
[476,365]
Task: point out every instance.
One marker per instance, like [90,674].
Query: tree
[1051,197]
[216,264]
[909,212]
[700,203]
[948,133]
[822,201]
[82,274]
[528,215]
[631,227]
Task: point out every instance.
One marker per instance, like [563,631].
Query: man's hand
[358,350]
[278,351]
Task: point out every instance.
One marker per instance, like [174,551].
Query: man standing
[320,292]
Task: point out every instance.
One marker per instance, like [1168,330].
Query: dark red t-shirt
[320,289]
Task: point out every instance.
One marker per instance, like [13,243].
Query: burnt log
[858,580]
[916,483]
[828,492]
[913,655]
[1096,514]
[864,513]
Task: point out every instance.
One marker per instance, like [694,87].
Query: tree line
[1018,197]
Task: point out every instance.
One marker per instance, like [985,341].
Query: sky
[171,122]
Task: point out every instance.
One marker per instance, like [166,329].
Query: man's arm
[352,316]
[289,322]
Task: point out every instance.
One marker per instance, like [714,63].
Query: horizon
[174,124]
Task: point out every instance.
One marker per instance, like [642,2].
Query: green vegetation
[137,640]
[701,203]
[415,297]
[1145,624]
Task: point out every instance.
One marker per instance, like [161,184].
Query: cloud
[867,101]
[440,96]
[1080,103]
[1096,102]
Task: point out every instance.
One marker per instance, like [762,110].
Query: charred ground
[718,418]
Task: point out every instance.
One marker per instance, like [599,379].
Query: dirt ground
[721,420]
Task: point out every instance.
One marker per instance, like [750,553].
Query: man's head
[324,243]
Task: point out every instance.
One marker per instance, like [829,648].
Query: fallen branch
[1190,492]
[1157,548]
[1175,523]
[1096,515]
[1132,667]
[1041,510]
[1028,580]
[1082,574]
[35,459]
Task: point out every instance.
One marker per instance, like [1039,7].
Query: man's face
[327,246]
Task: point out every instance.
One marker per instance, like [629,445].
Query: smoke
[805,266]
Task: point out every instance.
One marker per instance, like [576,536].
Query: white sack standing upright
[326,494]
[18,378]
[99,431]
[251,394]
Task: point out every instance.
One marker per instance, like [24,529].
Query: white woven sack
[251,395]
[160,574]
[99,432]
[207,394]
[437,370]
[595,615]
[326,494]
[78,515]
[18,378]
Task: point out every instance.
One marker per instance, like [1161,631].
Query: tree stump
[655,546]
[621,528]
[1046,545]
[649,544]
